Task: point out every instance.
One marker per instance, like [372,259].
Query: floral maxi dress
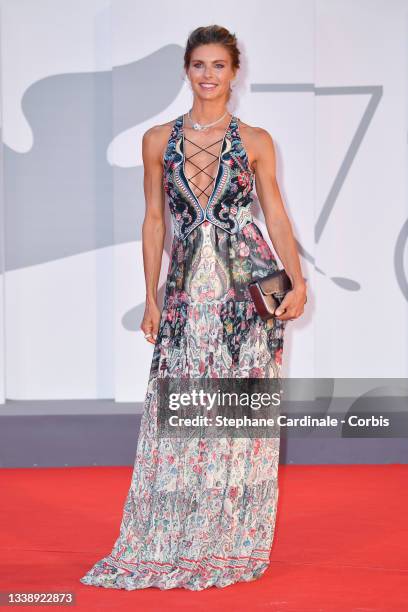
[203,516]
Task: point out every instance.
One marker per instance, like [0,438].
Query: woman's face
[210,71]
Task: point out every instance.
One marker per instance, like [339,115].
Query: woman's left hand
[292,306]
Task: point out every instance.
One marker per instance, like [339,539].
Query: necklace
[201,126]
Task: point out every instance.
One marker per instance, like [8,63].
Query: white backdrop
[81,82]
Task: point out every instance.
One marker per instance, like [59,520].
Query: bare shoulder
[257,141]
[256,135]
[159,131]
[155,139]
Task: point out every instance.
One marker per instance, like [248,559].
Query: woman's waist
[233,230]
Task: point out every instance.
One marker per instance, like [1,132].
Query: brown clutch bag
[268,292]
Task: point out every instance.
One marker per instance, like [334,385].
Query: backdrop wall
[81,82]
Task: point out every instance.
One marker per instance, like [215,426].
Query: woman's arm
[154,228]
[278,224]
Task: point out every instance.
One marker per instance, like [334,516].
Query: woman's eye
[199,65]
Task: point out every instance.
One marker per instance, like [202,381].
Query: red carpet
[340,544]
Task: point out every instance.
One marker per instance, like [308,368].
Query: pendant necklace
[201,126]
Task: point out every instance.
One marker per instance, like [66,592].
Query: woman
[202,513]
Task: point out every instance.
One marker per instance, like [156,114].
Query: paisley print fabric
[201,512]
[229,204]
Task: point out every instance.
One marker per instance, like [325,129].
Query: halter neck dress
[205,516]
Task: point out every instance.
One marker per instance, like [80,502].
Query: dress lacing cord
[201,170]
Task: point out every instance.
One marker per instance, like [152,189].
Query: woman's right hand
[151,321]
